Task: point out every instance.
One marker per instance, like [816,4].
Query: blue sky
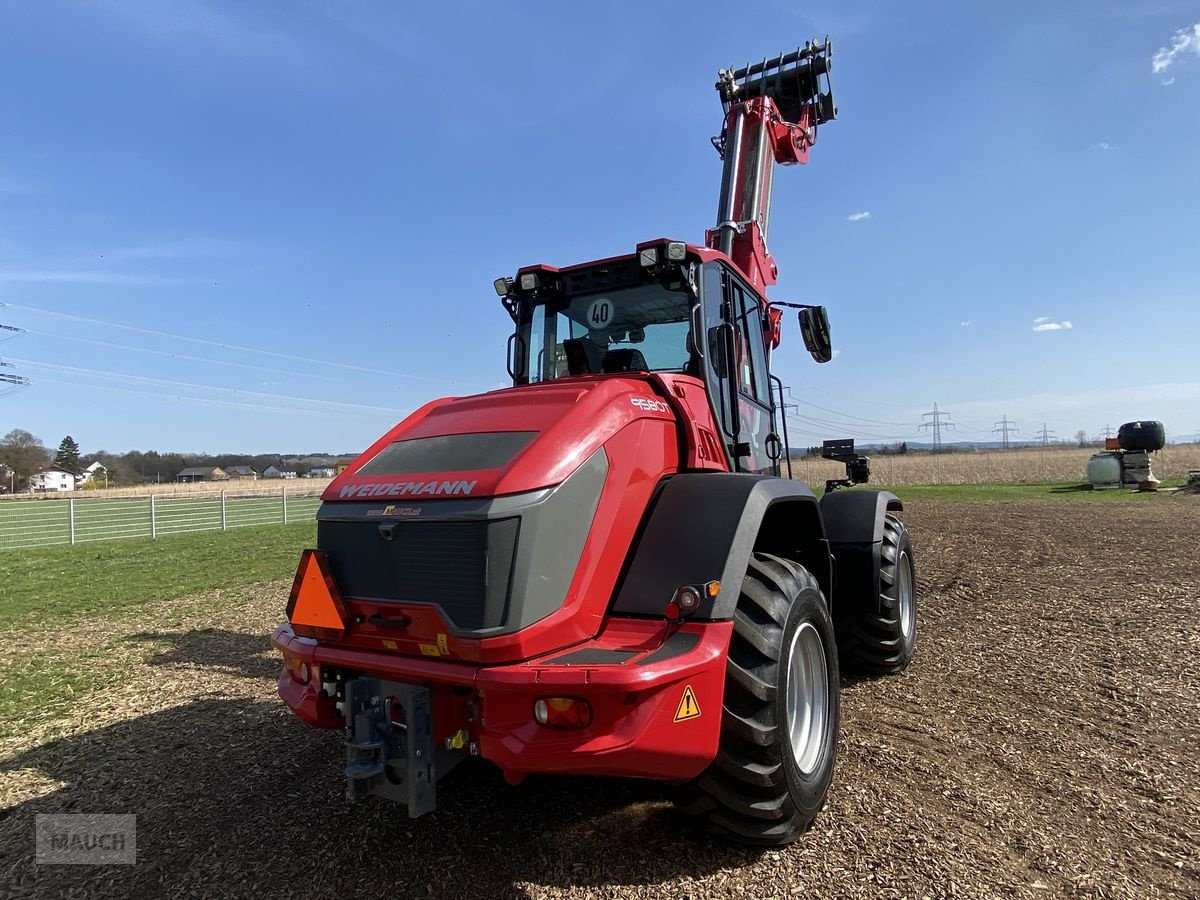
[317,195]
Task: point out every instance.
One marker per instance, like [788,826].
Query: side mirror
[814,328]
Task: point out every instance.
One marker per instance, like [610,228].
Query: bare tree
[1081,436]
[23,453]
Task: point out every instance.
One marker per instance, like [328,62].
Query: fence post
[285,504]
[223,511]
[71,517]
[153,527]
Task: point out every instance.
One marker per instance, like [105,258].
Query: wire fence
[82,519]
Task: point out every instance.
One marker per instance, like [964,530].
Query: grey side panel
[551,545]
[704,528]
[856,516]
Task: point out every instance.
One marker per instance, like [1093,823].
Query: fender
[704,526]
[854,526]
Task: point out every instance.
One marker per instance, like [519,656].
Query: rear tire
[779,725]
[882,642]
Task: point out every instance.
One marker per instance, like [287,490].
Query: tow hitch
[389,744]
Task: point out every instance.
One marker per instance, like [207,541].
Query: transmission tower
[1107,432]
[1045,436]
[938,419]
[1003,427]
[10,383]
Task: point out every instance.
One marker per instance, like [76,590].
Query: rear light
[298,670]
[562,712]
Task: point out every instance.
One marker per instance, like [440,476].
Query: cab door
[735,362]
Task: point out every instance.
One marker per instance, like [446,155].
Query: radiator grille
[463,567]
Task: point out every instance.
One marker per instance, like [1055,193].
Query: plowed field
[1045,743]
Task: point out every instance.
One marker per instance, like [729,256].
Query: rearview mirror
[814,328]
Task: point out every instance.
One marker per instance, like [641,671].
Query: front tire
[882,642]
[780,720]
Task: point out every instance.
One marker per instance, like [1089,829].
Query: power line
[100,373]
[835,412]
[935,425]
[230,404]
[185,356]
[1003,427]
[1044,435]
[1106,432]
[236,347]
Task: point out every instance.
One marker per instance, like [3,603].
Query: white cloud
[1041,319]
[1042,325]
[966,323]
[859,216]
[1103,146]
[1185,40]
[837,353]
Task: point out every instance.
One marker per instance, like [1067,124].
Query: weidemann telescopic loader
[602,570]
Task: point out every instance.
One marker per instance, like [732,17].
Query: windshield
[634,329]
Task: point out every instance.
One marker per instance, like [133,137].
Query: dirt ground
[1045,743]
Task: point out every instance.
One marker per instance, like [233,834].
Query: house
[52,479]
[202,473]
[95,470]
[276,472]
[241,473]
[321,472]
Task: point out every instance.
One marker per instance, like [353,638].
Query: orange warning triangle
[315,608]
[688,707]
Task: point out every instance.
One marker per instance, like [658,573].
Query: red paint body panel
[572,416]
[633,731]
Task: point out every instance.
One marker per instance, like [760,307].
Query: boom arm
[772,110]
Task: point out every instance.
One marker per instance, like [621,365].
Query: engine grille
[463,567]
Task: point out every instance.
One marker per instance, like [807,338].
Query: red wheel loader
[607,568]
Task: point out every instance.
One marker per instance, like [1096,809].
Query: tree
[1081,436]
[23,453]
[67,457]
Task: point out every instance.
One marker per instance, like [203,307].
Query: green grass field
[44,584]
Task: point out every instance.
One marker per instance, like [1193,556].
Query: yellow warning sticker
[443,642]
[390,645]
[430,650]
[688,707]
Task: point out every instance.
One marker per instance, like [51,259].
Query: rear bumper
[634,675]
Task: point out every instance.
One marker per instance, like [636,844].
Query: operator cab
[629,329]
[666,309]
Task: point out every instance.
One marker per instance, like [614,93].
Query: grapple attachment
[794,81]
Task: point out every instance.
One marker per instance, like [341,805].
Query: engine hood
[541,434]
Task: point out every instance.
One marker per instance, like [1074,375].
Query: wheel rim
[807,697]
[904,597]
